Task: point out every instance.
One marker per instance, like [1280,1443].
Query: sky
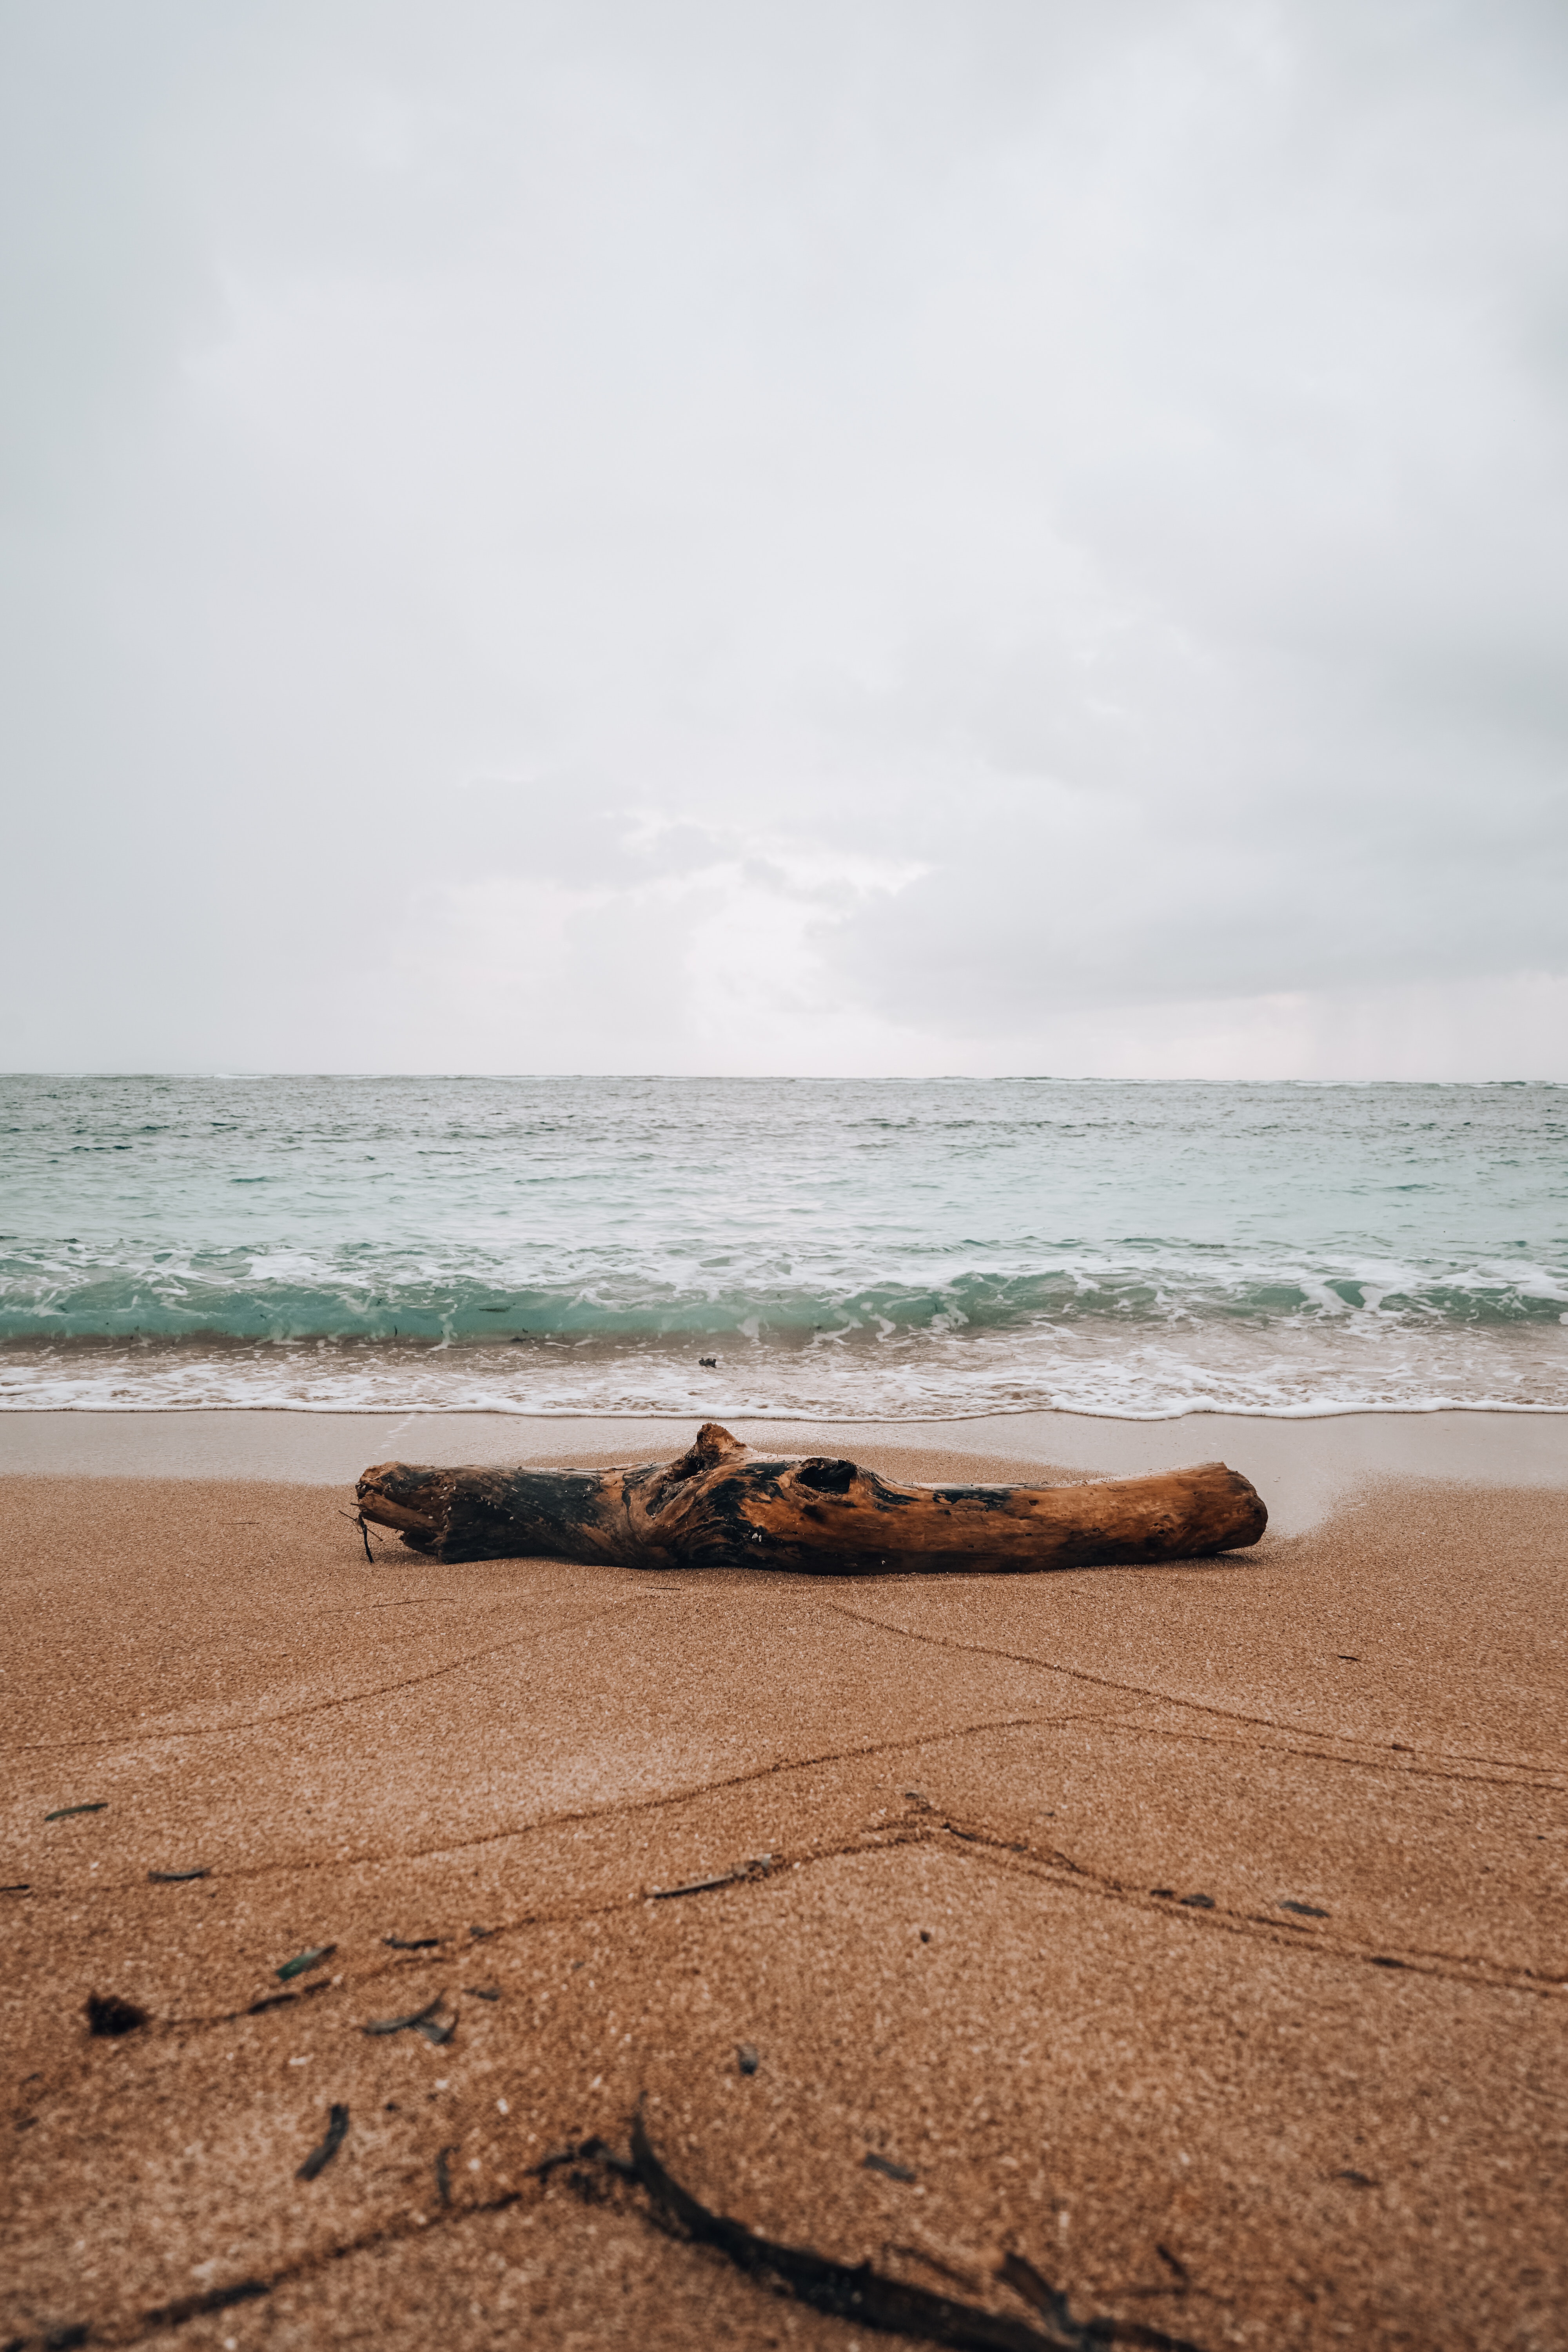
[842,536]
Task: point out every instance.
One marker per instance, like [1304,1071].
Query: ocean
[863,1248]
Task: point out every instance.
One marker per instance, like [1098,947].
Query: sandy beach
[1197,1936]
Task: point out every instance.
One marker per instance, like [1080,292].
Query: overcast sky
[810,535]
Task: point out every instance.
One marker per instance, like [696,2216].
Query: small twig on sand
[358,1519]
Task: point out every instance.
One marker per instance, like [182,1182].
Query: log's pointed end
[1251,1510]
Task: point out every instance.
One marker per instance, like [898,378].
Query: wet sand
[1199,1934]
[1305,1467]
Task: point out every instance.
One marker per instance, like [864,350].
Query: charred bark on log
[720,1504]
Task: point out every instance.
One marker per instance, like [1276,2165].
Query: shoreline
[1303,1467]
[860,1421]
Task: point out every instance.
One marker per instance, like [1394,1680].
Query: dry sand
[1022,1929]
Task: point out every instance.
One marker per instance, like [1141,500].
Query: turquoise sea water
[887,1247]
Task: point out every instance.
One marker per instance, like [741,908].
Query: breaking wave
[943,1247]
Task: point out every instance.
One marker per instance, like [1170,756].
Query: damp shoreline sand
[1304,1467]
[1198,1935]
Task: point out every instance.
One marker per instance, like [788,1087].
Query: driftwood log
[722,1505]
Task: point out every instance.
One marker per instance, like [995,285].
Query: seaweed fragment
[1053,2306]
[214,2298]
[419,2021]
[872,2162]
[858,2292]
[175,1877]
[319,2157]
[64,1812]
[284,2000]
[444,2174]
[1197,1902]
[106,2013]
[411,1943]
[303,1960]
[593,2151]
[746,2057]
[1039,2294]
[1303,1910]
[482,1992]
[22,1887]
[693,1886]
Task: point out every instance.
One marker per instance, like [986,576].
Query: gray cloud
[907,536]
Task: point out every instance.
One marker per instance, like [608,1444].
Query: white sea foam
[1278,1371]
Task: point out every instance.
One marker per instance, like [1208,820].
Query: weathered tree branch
[721,1504]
